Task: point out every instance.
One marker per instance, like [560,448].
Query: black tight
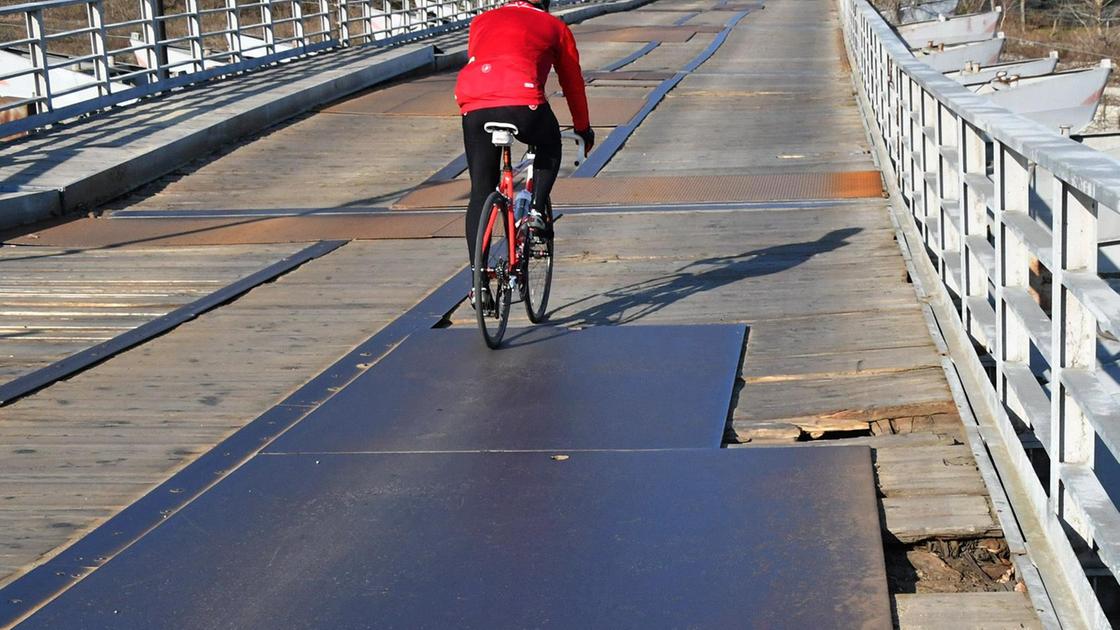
[537,126]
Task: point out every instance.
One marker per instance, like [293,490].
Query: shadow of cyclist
[632,302]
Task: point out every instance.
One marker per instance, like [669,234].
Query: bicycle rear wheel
[536,259]
[492,292]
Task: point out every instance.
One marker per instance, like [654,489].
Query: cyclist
[510,52]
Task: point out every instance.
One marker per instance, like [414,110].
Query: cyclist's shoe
[487,301]
[538,229]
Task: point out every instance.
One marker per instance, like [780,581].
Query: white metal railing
[971,175]
[70,57]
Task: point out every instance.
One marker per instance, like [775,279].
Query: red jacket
[510,51]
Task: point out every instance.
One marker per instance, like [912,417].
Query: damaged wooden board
[846,403]
[911,519]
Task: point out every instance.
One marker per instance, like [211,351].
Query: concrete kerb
[22,207]
[133,170]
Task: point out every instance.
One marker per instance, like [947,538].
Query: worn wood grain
[56,302]
[911,519]
[966,611]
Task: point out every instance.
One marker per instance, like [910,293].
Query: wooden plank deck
[56,302]
[78,451]
[838,351]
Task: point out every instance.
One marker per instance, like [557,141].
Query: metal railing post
[325,20]
[38,49]
[1074,340]
[972,152]
[298,32]
[194,33]
[945,140]
[268,28]
[367,20]
[1012,268]
[344,22]
[155,34]
[233,38]
[96,13]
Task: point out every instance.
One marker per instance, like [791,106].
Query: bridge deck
[838,350]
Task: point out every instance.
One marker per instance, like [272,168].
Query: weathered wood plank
[928,471]
[57,302]
[966,611]
[911,519]
[857,398]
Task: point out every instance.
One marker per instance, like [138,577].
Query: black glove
[588,137]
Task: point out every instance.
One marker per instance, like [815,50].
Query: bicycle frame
[506,188]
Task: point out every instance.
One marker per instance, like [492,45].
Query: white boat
[944,30]
[926,11]
[1064,101]
[954,58]
[974,75]
[61,80]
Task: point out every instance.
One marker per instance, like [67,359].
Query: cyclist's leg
[482,164]
[543,131]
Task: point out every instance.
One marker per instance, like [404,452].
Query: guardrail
[968,172]
[71,57]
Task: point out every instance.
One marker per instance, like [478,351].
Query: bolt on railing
[971,175]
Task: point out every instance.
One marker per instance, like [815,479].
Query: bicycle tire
[491,271]
[537,262]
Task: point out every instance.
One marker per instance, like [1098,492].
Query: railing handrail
[38,6]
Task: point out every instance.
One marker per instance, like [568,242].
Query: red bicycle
[514,251]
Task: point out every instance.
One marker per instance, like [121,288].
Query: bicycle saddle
[501,134]
[491,127]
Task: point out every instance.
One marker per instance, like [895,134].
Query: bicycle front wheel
[536,259]
[492,291]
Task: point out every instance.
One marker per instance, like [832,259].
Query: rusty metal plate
[148,232]
[711,538]
[601,387]
[672,34]
[604,111]
[598,191]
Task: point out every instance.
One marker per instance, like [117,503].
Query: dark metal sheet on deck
[770,538]
[673,34]
[629,75]
[604,387]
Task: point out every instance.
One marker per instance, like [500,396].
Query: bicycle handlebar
[571,135]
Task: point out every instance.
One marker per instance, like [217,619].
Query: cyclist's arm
[471,42]
[571,79]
